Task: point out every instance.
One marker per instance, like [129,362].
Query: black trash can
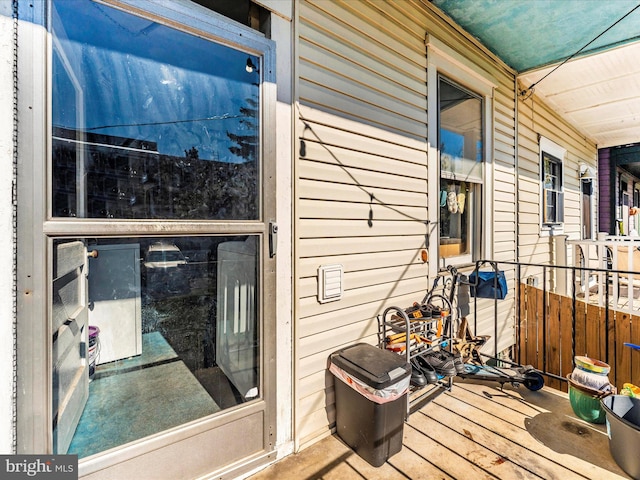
[371,400]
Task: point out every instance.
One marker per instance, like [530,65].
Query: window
[552,191]
[460,138]
[164,135]
[460,125]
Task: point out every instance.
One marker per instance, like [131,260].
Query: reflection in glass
[148,121]
[461,164]
[164,332]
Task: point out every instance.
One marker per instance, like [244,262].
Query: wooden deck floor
[475,431]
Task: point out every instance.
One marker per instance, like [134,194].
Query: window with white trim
[468,170]
[460,138]
[551,185]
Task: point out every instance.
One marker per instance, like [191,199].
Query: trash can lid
[374,366]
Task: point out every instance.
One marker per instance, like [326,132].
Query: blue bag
[486,285]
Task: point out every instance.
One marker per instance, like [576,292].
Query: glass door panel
[172,333]
[154,129]
[149,121]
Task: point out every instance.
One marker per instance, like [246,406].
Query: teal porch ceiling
[596,90]
[528,34]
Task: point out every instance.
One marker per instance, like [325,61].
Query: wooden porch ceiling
[475,431]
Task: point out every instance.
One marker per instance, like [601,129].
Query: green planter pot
[585,402]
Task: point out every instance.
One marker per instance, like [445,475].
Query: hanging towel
[452,202]
[443,198]
[461,199]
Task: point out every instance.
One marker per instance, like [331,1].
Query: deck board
[474,431]
[507,415]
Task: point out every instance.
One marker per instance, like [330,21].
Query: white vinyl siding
[536,121]
[362,177]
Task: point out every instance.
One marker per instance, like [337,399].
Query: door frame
[36,231]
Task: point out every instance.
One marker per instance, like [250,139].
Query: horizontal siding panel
[325,249]
[315,427]
[529,218]
[387,17]
[502,197]
[312,189]
[364,261]
[530,165]
[325,48]
[536,251]
[528,203]
[505,184]
[529,189]
[498,233]
[312,362]
[313,403]
[363,139]
[504,216]
[350,228]
[504,157]
[531,238]
[504,171]
[503,211]
[352,107]
[378,91]
[346,157]
[356,133]
[528,207]
[357,29]
[324,209]
[528,146]
[349,334]
[315,382]
[503,139]
[360,177]
[503,116]
[503,254]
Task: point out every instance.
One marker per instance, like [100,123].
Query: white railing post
[607,255]
[561,247]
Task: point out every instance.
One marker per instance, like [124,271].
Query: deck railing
[610,270]
[557,320]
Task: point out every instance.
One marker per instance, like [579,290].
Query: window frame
[557,154]
[37,229]
[445,61]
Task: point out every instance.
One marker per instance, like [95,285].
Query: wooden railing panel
[580,333]
[599,333]
[553,339]
[538,327]
[521,334]
[566,338]
[528,333]
[595,336]
[622,355]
